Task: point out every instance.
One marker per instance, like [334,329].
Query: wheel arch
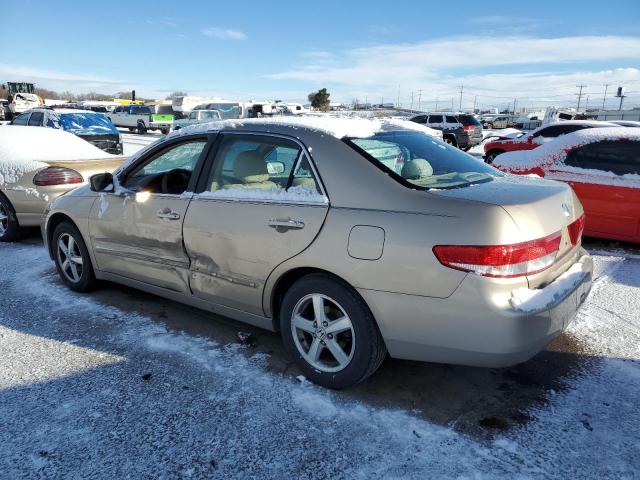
[52,222]
[287,279]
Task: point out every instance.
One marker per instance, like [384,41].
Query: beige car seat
[250,168]
[416,169]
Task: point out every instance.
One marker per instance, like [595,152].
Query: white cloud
[28,73]
[224,33]
[440,66]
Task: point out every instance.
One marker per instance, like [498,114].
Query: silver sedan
[354,238]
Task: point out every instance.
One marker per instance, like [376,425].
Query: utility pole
[452,104]
[579,95]
[436,104]
[586,104]
[475,98]
[606,86]
[420,99]
[461,90]
[411,107]
[515,101]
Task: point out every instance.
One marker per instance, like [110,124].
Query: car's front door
[601,175]
[261,204]
[136,231]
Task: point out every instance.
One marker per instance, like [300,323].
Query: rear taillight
[57,176]
[501,261]
[469,128]
[575,230]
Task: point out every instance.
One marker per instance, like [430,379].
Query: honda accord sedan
[354,238]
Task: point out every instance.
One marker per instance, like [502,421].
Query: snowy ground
[120,384]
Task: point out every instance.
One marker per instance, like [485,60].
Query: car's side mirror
[101,182]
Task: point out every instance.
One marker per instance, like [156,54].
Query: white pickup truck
[197,116]
[140,118]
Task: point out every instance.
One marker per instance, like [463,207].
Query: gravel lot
[120,384]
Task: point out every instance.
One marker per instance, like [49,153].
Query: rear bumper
[478,324]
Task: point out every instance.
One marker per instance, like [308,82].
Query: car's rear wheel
[10,230]
[491,155]
[72,258]
[449,140]
[142,128]
[131,129]
[330,333]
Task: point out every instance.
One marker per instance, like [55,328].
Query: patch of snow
[297,194]
[336,126]
[528,300]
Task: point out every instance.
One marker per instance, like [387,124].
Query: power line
[580,95]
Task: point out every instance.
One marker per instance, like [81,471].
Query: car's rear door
[599,174]
[136,232]
[261,204]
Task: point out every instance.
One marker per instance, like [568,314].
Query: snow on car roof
[23,149]
[336,126]
[556,150]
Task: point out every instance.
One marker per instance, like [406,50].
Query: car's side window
[435,118]
[36,119]
[21,119]
[618,156]
[167,172]
[251,164]
[451,119]
[420,119]
[545,132]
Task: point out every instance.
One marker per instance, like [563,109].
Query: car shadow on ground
[477,401]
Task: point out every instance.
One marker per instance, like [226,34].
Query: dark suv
[458,129]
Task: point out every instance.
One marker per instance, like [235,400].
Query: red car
[602,165]
[540,136]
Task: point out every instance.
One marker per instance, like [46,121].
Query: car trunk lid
[538,207]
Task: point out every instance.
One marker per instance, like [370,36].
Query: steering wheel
[175,181]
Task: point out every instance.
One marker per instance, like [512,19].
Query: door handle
[287,224]
[168,214]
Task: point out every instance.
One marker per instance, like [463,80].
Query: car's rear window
[418,160]
[469,120]
[87,123]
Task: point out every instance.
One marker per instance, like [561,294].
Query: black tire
[131,129]
[142,128]
[450,140]
[10,230]
[165,130]
[87,279]
[491,155]
[369,349]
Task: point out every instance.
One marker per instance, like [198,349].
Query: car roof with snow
[556,150]
[335,126]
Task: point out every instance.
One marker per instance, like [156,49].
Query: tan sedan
[36,166]
[351,237]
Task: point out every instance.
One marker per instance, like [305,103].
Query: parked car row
[353,238]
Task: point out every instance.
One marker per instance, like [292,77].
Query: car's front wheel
[491,156]
[10,230]
[72,258]
[330,333]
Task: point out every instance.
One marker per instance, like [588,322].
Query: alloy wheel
[323,333]
[70,258]
[4,220]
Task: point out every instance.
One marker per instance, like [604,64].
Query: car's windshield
[421,161]
[88,123]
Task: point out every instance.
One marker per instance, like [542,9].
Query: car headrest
[250,167]
[416,168]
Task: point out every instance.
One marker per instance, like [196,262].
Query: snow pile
[336,126]
[527,300]
[297,194]
[556,151]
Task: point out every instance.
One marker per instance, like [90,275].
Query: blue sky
[535,51]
